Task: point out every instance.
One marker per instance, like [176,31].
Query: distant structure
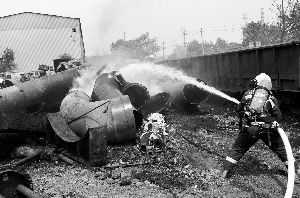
[40,38]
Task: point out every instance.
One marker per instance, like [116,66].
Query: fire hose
[291,168]
[289,153]
[288,148]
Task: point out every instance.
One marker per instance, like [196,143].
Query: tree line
[285,28]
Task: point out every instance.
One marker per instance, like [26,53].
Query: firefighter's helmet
[264,80]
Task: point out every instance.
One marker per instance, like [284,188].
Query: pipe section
[106,87]
[155,104]
[116,115]
[23,190]
[185,97]
[35,94]
[11,179]
[194,95]
[137,93]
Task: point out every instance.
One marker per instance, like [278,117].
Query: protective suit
[258,111]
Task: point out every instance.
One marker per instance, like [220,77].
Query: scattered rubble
[190,167]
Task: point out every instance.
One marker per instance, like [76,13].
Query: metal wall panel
[232,71]
[39,39]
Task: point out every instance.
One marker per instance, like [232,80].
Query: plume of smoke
[96,66]
[85,82]
[156,77]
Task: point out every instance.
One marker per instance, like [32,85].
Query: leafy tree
[194,48]
[137,48]
[284,10]
[258,31]
[288,19]
[8,61]
[286,28]
[232,46]
[221,45]
[293,23]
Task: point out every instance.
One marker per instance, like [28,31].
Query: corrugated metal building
[40,38]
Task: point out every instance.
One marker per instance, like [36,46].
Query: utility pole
[262,15]
[124,35]
[202,41]
[245,19]
[282,22]
[184,41]
[163,48]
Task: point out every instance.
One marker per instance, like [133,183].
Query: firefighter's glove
[275,124]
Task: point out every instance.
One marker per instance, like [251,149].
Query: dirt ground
[191,166]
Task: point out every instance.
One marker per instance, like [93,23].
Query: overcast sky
[105,21]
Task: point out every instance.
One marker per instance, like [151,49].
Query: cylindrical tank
[116,114]
[49,91]
[259,99]
[9,181]
[155,104]
[137,93]
[195,95]
[106,87]
[185,97]
[121,124]
[74,109]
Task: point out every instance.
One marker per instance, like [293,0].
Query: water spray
[155,73]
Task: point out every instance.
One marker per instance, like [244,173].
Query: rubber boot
[228,166]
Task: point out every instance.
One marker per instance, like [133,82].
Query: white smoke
[156,77]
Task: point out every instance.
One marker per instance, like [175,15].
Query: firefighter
[259,114]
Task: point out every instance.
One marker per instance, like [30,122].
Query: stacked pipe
[38,94]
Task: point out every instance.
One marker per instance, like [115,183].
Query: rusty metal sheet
[61,128]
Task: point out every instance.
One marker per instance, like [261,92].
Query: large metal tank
[184,96]
[137,93]
[38,94]
[116,114]
[106,87]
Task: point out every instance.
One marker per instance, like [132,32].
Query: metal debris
[154,134]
